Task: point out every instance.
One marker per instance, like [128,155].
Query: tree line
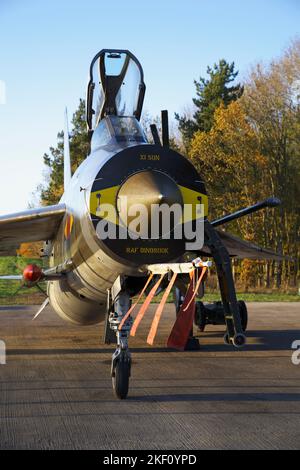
[244,139]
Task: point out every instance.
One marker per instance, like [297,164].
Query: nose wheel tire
[120,379]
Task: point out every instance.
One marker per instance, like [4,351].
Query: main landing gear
[232,312]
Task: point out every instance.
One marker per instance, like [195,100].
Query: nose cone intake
[149,189]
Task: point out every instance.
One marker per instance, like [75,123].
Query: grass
[258,297]
[246,296]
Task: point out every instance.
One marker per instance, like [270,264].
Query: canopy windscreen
[117,83]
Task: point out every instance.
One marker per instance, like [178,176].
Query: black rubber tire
[120,381]
[239,340]
[243,314]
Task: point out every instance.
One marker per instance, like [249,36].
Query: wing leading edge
[29,226]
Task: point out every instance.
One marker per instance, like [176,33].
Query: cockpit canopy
[116,86]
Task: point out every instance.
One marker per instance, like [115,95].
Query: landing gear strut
[121,360]
[235,334]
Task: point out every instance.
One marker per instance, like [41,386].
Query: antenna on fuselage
[67,160]
[155,134]
[165,128]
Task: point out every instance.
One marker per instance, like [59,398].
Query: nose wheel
[121,359]
[121,374]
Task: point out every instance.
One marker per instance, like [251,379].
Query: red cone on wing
[32,273]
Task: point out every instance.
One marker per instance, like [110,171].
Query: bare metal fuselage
[81,295]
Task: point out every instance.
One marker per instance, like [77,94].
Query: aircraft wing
[29,226]
[244,249]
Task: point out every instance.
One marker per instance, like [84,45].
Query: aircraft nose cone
[148,188]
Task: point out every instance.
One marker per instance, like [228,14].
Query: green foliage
[214,296]
[210,94]
[258,297]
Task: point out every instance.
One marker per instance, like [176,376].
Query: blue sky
[47,46]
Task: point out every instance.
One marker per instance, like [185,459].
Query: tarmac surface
[55,389]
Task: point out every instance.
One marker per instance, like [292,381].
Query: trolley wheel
[120,379]
[239,340]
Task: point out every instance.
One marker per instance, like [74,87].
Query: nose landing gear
[121,359]
[120,372]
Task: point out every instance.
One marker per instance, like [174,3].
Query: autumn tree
[229,158]
[236,173]
[272,104]
[251,152]
[210,93]
[30,250]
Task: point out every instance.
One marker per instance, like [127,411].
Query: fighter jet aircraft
[100,257]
